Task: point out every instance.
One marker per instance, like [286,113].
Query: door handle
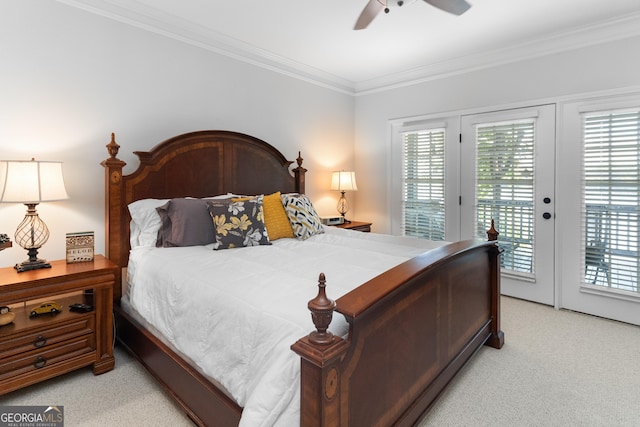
[546,201]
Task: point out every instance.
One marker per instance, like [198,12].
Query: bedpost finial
[492,233]
[299,174]
[321,309]
[113,147]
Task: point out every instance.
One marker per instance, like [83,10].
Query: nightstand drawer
[46,334]
[40,359]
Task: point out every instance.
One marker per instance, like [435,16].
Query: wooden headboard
[196,164]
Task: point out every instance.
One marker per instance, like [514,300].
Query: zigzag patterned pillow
[304,219]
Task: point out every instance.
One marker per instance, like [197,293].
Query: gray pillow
[185,222]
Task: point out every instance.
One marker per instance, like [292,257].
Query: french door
[507,175]
[599,229]
[568,212]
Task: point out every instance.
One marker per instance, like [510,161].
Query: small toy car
[51,307]
[80,308]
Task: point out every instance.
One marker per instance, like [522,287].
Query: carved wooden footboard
[412,328]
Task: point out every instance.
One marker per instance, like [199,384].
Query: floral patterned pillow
[238,223]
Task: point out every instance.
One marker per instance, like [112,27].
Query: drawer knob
[40,362]
[40,341]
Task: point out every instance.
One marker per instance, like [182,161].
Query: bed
[379,354]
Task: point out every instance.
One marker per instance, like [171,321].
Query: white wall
[70,78]
[605,67]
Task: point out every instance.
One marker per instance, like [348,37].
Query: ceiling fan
[371,10]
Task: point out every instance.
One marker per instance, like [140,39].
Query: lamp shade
[31,181]
[343,181]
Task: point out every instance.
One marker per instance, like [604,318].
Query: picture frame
[80,246]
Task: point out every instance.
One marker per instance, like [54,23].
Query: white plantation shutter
[423,184]
[611,198]
[505,188]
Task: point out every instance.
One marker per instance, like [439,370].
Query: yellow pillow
[275,217]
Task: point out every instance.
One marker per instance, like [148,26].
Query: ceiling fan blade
[369,12]
[457,7]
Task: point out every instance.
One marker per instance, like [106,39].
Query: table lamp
[343,181]
[31,182]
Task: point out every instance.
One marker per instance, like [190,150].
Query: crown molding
[136,14]
[603,32]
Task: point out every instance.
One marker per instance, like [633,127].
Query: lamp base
[31,234]
[32,265]
[343,207]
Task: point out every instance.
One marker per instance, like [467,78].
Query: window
[423,184]
[505,188]
[611,198]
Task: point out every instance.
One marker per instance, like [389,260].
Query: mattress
[235,313]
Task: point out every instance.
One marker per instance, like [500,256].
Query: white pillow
[145,222]
[222,196]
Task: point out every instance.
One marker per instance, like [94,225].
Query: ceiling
[315,40]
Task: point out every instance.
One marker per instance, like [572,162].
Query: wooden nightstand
[356,225]
[34,349]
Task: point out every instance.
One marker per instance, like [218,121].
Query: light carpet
[557,368]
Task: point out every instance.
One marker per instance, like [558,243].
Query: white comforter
[236,312]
